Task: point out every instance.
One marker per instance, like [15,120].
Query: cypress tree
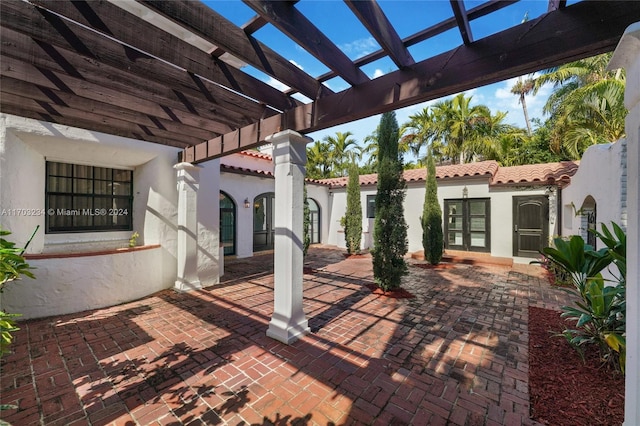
[390,229]
[353,215]
[306,222]
[432,238]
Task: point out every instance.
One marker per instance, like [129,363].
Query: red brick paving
[456,354]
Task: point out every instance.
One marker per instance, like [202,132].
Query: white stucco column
[627,55]
[187,251]
[289,155]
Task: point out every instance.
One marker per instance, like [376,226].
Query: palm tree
[371,149]
[523,88]
[418,132]
[318,162]
[456,125]
[343,151]
[587,105]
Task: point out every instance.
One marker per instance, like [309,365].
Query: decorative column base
[286,330]
[182,286]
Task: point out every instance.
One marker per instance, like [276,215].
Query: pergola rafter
[84,63]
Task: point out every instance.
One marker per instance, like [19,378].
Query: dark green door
[530,225]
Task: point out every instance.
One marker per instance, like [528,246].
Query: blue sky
[408,16]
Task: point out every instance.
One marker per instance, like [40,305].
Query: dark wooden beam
[575,32]
[25,107]
[206,23]
[111,85]
[460,13]
[127,29]
[284,16]
[108,56]
[53,79]
[376,22]
[161,127]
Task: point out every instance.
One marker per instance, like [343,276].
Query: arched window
[588,210]
[314,221]
[263,229]
[227,224]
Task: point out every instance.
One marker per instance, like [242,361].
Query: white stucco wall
[501,211]
[241,187]
[25,146]
[76,284]
[600,176]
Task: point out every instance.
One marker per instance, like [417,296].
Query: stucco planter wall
[66,285]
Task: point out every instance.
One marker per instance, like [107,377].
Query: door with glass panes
[467,224]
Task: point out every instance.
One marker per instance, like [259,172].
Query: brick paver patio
[454,354]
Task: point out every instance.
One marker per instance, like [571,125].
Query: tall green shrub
[390,230]
[306,223]
[432,238]
[353,216]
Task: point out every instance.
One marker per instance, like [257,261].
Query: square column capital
[289,147]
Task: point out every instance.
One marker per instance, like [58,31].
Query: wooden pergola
[132,69]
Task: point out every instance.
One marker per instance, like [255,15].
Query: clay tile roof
[550,173]
[483,168]
[257,154]
[243,170]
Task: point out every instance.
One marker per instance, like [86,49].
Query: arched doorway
[263,230]
[227,224]
[314,221]
[588,219]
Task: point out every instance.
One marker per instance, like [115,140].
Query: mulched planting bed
[430,266]
[398,293]
[563,389]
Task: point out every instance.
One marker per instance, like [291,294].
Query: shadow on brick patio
[454,354]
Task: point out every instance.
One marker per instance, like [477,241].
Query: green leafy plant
[133,241]
[599,315]
[12,267]
[353,215]
[7,327]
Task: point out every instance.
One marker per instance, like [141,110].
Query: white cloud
[359,48]
[378,73]
[277,84]
[296,64]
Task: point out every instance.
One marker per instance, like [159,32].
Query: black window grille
[83,198]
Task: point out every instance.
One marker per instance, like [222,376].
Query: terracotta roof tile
[483,168]
[549,173]
[243,170]
[256,154]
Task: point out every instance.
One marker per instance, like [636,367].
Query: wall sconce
[465,192]
[247,204]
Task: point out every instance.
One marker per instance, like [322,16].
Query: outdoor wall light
[247,204]
[465,192]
